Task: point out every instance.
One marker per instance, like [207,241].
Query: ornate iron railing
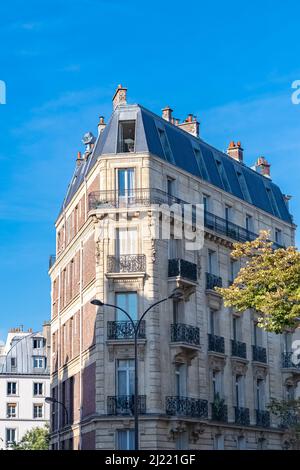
[126,264]
[124,404]
[183,406]
[124,330]
[213,281]
[148,196]
[183,268]
[185,334]
[242,416]
[238,349]
[219,412]
[216,343]
[259,354]
[289,362]
[52,259]
[263,418]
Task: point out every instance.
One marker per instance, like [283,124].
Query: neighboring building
[24,383]
[206,373]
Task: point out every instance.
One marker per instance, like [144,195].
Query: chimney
[190,125]
[119,97]
[101,125]
[79,159]
[167,113]
[287,199]
[88,140]
[235,151]
[263,167]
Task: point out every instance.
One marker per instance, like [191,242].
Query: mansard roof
[191,154]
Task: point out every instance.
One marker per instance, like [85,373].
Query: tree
[35,439]
[268,282]
[288,411]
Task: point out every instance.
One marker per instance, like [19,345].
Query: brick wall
[89,261]
[88,326]
[88,440]
[89,390]
[55,297]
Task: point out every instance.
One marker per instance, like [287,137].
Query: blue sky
[62,60]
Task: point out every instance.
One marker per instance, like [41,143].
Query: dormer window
[126,137]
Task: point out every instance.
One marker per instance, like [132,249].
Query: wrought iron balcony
[123,330]
[263,418]
[219,411]
[183,406]
[238,349]
[224,227]
[52,259]
[181,333]
[213,281]
[289,361]
[126,264]
[259,354]
[242,416]
[216,343]
[183,268]
[124,405]
[290,419]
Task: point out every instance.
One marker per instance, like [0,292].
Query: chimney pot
[263,167]
[101,125]
[235,151]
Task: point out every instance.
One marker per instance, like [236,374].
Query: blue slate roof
[189,153]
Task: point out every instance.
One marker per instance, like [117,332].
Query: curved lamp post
[52,401]
[136,327]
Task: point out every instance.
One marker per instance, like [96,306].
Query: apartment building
[206,373]
[24,383]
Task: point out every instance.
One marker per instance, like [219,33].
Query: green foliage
[35,439]
[268,282]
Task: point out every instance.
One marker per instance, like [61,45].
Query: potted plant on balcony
[219,408]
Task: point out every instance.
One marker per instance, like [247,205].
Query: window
[38,389]
[240,391]
[217,387]
[37,410]
[178,311]
[13,362]
[214,322]
[212,262]
[290,392]
[126,137]
[181,380]
[287,342]
[38,343]
[260,394]
[126,241]
[228,213]
[206,202]
[125,439]
[182,441]
[71,400]
[125,182]
[278,236]
[257,332]
[11,435]
[236,328]
[11,410]
[223,176]
[170,186]
[241,443]
[234,270]
[249,223]
[11,388]
[165,145]
[38,362]
[244,187]
[219,442]
[273,202]
[127,301]
[125,377]
[201,164]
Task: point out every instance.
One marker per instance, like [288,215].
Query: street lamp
[52,401]
[136,327]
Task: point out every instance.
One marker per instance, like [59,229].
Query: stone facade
[200,379]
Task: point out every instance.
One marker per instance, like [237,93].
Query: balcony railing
[216,343]
[148,196]
[289,361]
[181,333]
[213,281]
[219,412]
[290,419]
[123,330]
[242,416]
[124,404]
[52,259]
[263,418]
[183,268]
[126,264]
[238,349]
[183,406]
[259,354]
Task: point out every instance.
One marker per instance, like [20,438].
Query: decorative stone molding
[214,299]
[216,362]
[176,428]
[183,353]
[125,281]
[187,288]
[118,349]
[195,432]
[239,366]
[260,371]
[217,239]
